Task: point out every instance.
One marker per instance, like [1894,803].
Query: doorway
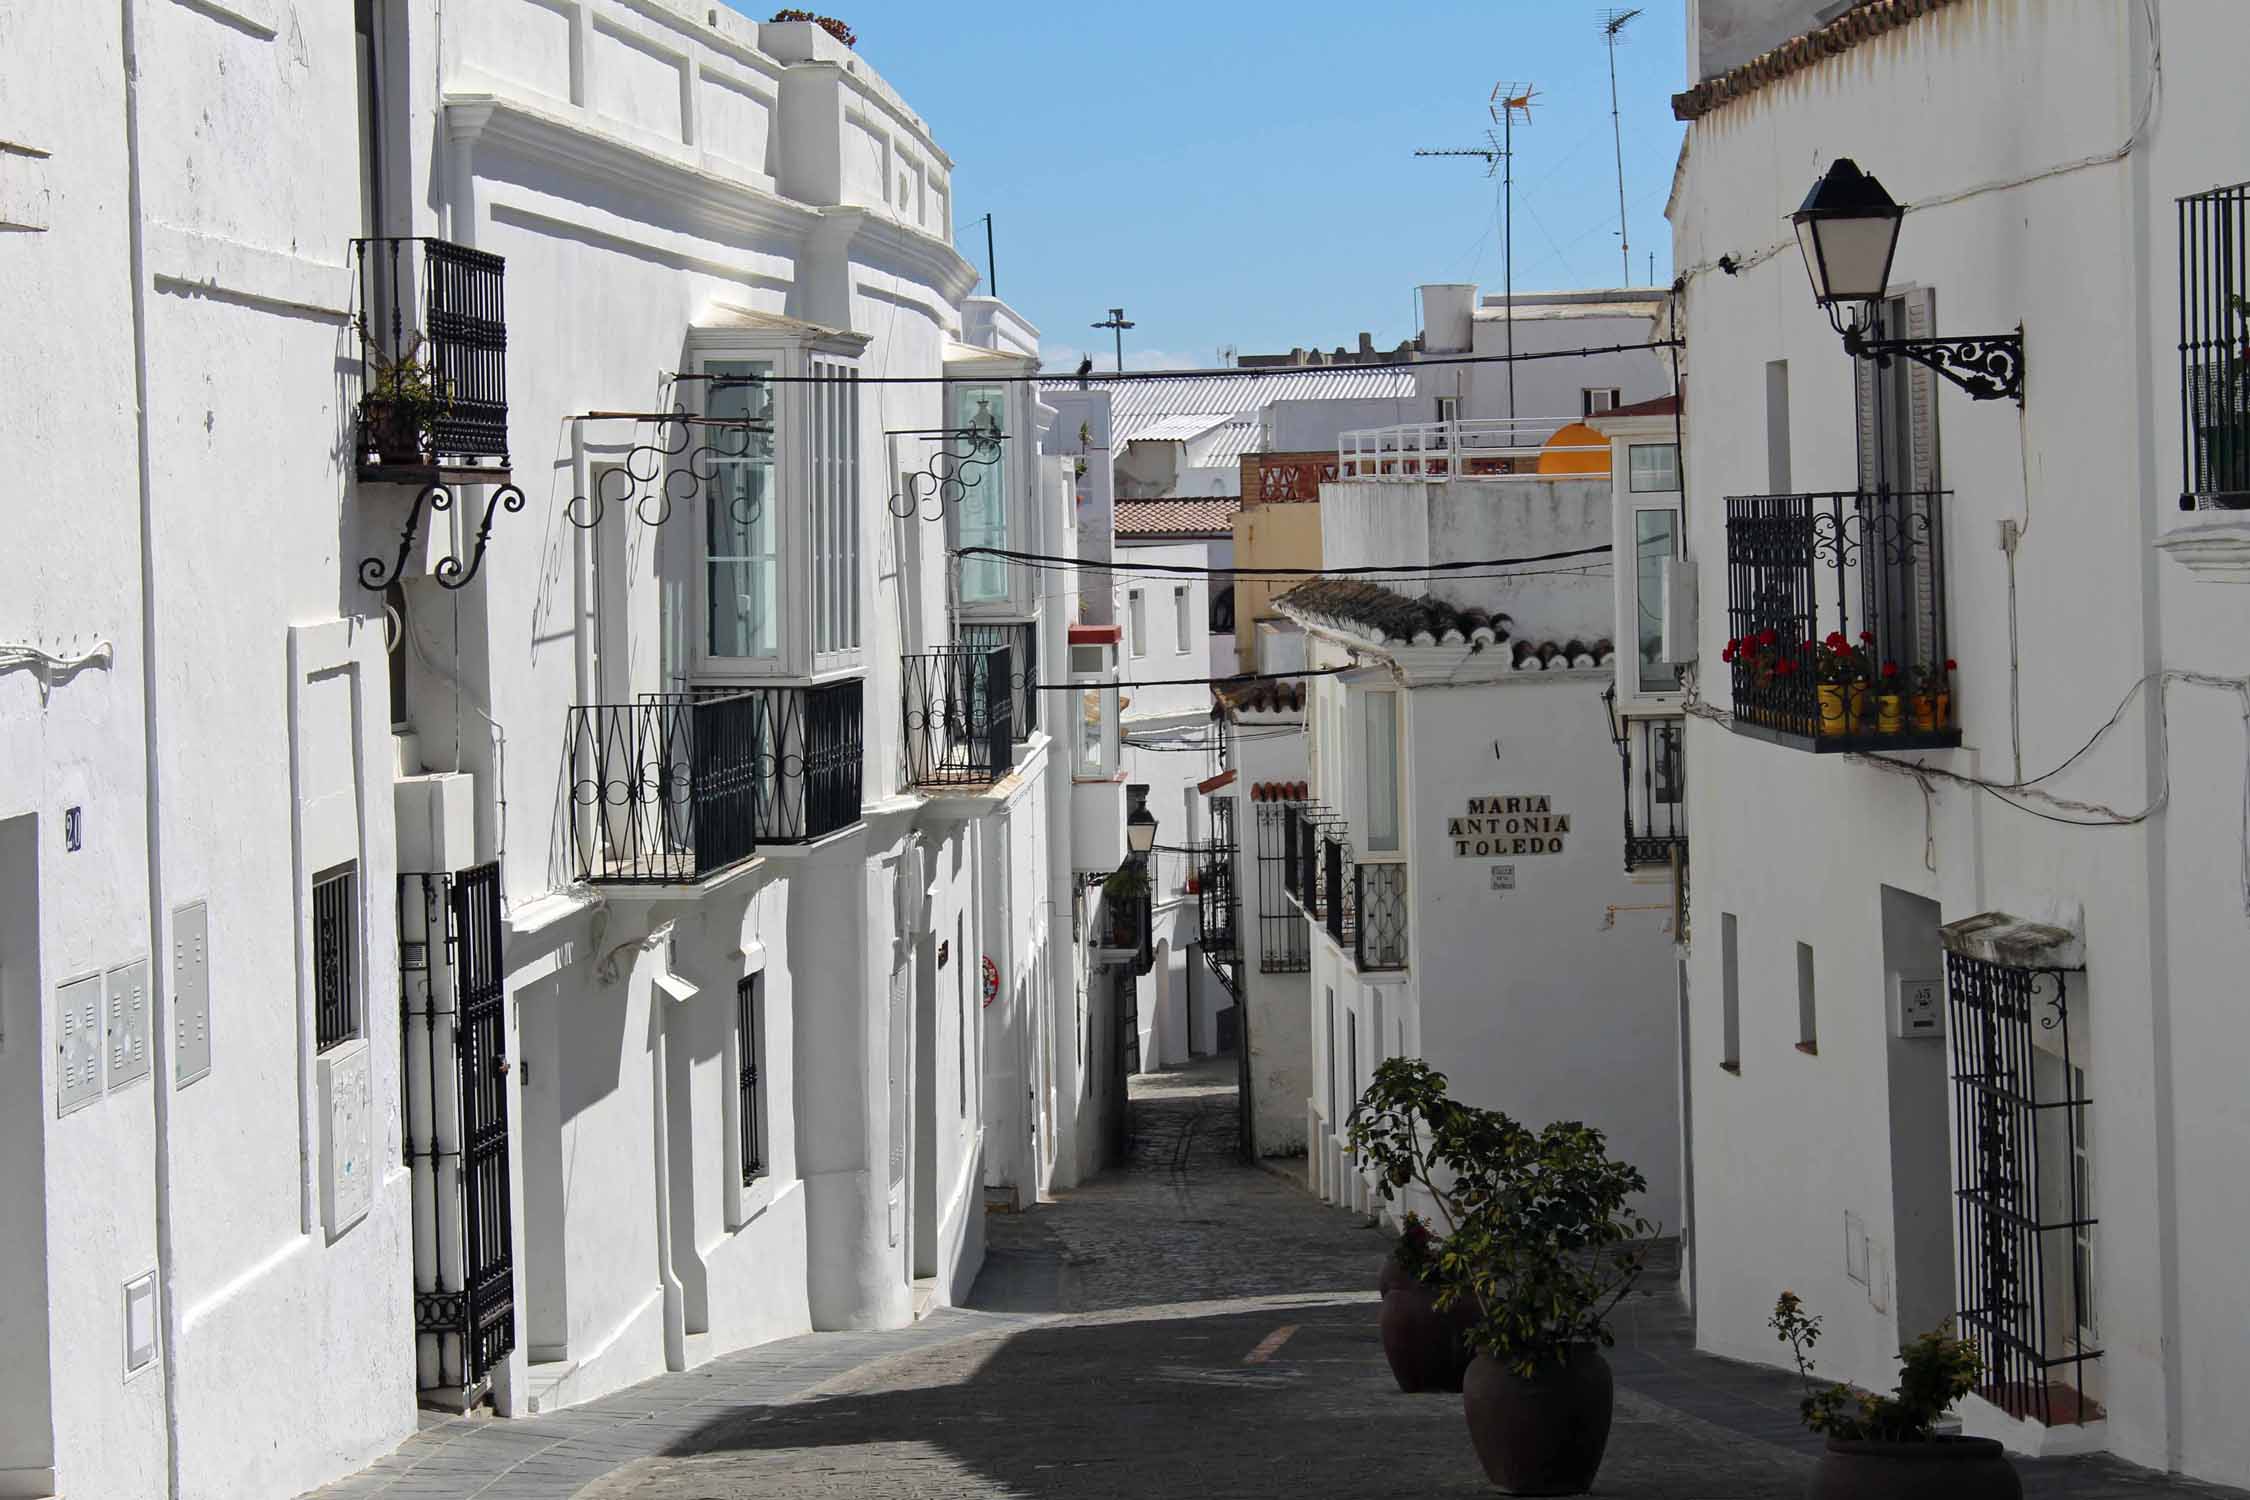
[27,1441]
[923,1238]
[1921,1151]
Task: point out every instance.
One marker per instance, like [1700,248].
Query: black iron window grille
[1339,892]
[1022,640]
[432,321]
[454,1065]
[750,1024]
[1379,912]
[2215,349]
[959,716]
[2024,1241]
[1654,753]
[811,751]
[1283,947]
[1217,905]
[335,902]
[1837,620]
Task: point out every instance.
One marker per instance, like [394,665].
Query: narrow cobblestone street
[1185,1325]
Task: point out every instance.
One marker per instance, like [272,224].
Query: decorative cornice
[677,176]
[2215,551]
[1863,23]
[906,248]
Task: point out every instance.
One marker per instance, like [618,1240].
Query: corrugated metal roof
[1177,428]
[1239,436]
[1137,404]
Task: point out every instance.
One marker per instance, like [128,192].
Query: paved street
[1186,1325]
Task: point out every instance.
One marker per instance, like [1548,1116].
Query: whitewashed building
[1458,855]
[1963,986]
[507,899]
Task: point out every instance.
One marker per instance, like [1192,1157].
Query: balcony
[1218,905]
[679,787]
[1836,619]
[433,343]
[1361,905]
[1125,926]
[2215,349]
[1492,447]
[1653,753]
[959,716]
[1282,944]
[1022,641]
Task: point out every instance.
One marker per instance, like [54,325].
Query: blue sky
[1242,172]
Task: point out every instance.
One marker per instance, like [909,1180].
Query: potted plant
[1124,898]
[403,393]
[1932,704]
[1881,1447]
[1548,1247]
[829,24]
[1840,679]
[1393,1128]
[1890,689]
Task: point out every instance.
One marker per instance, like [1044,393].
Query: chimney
[1448,313]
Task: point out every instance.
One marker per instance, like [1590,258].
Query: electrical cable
[1198,570]
[1252,372]
[1093,686]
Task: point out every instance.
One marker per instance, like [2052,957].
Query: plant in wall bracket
[829,24]
[404,392]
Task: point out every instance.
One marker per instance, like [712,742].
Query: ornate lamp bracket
[1989,366]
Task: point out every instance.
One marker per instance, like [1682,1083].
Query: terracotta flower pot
[1392,1276]
[391,429]
[1427,1347]
[1544,1435]
[1924,709]
[1960,1468]
[1890,716]
[1945,709]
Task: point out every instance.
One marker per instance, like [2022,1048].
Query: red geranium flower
[1867,635]
[1949,664]
[1890,670]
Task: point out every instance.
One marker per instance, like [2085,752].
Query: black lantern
[1140,823]
[1847,229]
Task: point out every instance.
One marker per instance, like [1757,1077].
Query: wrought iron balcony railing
[1218,904]
[432,322]
[1836,609]
[679,786]
[959,716]
[1654,757]
[1379,912]
[1022,640]
[1282,938]
[2215,349]
[1128,915]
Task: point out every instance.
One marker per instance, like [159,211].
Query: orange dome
[1575,449]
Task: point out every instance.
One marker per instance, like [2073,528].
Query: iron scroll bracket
[450,572]
[1989,366]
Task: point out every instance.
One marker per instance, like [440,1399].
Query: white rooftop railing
[1482,447]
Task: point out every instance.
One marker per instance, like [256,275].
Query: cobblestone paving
[1189,1324]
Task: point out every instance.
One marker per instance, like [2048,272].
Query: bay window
[1381,709]
[775,472]
[980,422]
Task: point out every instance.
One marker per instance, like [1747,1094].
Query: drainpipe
[160,1009]
[675,1300]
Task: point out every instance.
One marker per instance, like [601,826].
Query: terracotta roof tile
[1270,695]
[1176,517]
[1862,23]
[1393,618]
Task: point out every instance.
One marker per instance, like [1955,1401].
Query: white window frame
[1020,475]
[1136,623]
[1360,710]
[1599,400]
[1628,505]
[1183,618]
[798,528]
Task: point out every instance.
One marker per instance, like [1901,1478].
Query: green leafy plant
[1417,1251]
[1126,882]
[1935,1371]
[829,24]
[1540,1238]
[1549,1244]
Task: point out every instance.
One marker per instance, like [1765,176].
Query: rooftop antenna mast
[1117,323]
[1614,22]
[1498,154]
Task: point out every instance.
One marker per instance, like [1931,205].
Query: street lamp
[1847,229]
[1140,823]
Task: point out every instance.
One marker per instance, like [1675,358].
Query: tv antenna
[1498,152]
[1614,22]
